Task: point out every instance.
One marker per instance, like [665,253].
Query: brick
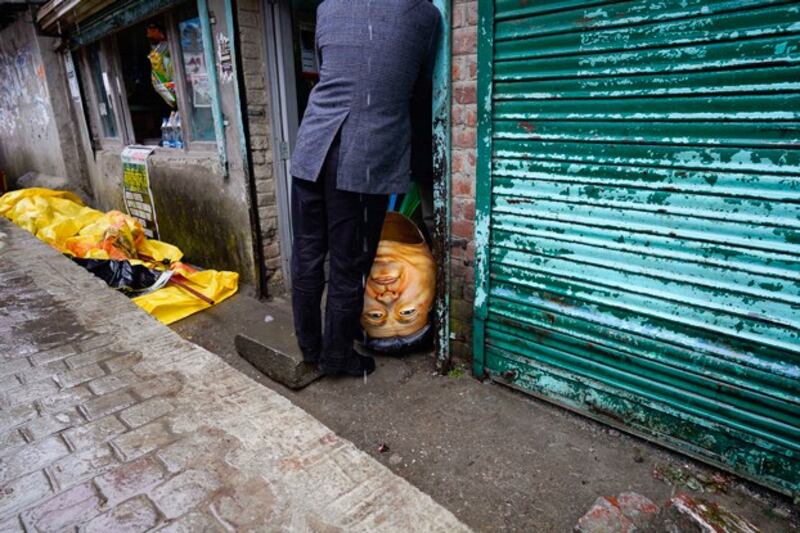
[133,516]
[638,509]
[142,440]
[10,442]
[67,509]
[12,525]
[9,367]
[95,433]
[245,506]
[53,354]
[32,457]
[185,491]
[16,416]
[113,382]
[192,522]
[118,364]
[145,412]
[51,423]
[87,358]
[695,515]
[46,371]
[105,405]
[604,517]
[64,399]
[168,384]
[130,479]
[71,378]
[83,465]
[22,492]
[464,137]
[199,450]
[465,41]
[27,394]
[465,94]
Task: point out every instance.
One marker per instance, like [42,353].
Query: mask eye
[406,313]
[375,315]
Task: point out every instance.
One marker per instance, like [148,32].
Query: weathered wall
[253,51]
[464,122]
[36,128]
[204,213]
[197,210]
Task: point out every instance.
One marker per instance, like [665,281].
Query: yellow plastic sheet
[60,219]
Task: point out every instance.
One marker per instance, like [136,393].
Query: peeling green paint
[638,217]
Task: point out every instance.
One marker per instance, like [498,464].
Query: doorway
[293,71]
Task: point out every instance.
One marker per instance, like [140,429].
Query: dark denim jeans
[347,227]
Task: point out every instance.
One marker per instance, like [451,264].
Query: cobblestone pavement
[109,421]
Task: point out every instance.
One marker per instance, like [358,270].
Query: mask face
[402,282]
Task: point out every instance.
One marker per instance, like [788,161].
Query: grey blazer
[375,57]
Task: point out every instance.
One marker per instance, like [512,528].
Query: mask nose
[387,297]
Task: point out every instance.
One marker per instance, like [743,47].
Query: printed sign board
[136,185]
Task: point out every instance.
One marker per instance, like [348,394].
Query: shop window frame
[110,59]
[92,102]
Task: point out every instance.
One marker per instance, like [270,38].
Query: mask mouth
[400,345]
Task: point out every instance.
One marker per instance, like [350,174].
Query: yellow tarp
[60,219]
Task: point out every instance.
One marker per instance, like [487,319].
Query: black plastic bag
[130,279]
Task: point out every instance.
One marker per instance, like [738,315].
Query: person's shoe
[356,366]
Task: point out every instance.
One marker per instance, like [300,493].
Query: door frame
[283,115]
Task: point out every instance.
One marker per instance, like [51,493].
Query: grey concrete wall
[29,137]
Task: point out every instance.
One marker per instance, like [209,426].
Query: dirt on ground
[498,459]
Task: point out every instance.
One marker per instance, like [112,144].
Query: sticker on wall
[72,78]
[136,187]
[224,58]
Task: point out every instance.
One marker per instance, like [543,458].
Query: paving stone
[122,362]
[38,373]
[51,423]
[95,433]
[130,479]
[685,514]
[83,465]
[113,382]
[205,445]
[70,378]
[9,383]
[64,399]
[12,525]
[245,505]
[10,442]
[142,440]
[90,357]
[638,509]
[193,523]
[54,354]
[182,493]
[145,412]
[133,516]
[28,394]
[16,495]
[32,457]
[68,508]
[279,359]
[105,405]
[9,367]
[16,416]
[604,517]
[168,384]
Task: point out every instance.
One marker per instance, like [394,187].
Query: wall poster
[136,186]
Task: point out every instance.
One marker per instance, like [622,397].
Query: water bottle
[178,131]
[164,132]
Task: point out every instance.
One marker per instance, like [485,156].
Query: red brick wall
[464,119]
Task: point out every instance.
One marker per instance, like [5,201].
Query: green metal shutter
[638,225]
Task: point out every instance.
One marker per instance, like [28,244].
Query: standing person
[353,150]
